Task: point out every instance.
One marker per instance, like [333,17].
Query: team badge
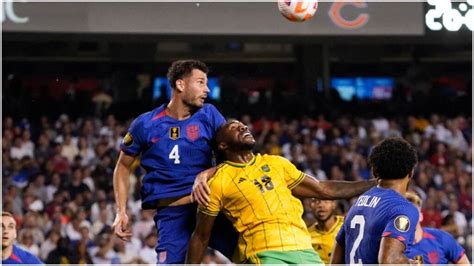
[192,131]
[162,256]
[266,168]
[128,140]
[402,223]
[174,133]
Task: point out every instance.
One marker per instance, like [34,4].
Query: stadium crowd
[57,176]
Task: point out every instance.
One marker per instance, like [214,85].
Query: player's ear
[222,146]
[180,85]
[412,172]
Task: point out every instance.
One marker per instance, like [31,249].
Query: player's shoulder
[273,158]
[26,256]
[436,233]
[153,115]
[208,109]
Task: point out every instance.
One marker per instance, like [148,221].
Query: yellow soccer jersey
[323,242]
[257,198]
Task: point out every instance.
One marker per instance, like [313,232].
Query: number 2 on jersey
[174,154]
[357,220]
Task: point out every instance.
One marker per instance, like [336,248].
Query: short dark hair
[392,158]
[181,68]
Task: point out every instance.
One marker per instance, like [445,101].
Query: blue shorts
[175,225]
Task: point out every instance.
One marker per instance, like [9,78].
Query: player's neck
[418,233]
[395,184]
[325,226]
[241,157]
[178,110]
[7,252]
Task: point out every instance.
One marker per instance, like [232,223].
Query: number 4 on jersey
[174,154]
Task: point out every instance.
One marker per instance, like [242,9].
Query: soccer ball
[297,10]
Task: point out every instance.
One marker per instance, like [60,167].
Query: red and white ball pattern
[297,10]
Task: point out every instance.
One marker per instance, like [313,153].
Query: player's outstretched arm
[310,187]
[200,238]
[337,256]
[201,190]
[121,183]
[391,251]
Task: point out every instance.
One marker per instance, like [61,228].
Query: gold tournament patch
[402,223]
[128,139]
[174,133]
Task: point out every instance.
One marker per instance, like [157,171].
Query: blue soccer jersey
[20,256]
[172,151]
[377,213]
[436,247]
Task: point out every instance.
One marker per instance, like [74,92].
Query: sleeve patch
[128,140]
[402,223]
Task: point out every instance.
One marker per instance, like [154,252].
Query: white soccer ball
[297,11]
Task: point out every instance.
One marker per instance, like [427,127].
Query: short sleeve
[32,259]
[216,118]
[215,198]
[132,143]
[341,237]
[402,224]
[293,176]
[452,250]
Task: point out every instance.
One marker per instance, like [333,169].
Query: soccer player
[381,223]
[433,246]
[173,142]
[323,232]
[11,254]
[257,193]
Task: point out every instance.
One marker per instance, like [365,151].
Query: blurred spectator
[62,185]
[147,253]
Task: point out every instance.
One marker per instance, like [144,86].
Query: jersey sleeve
[216,118]
[341,237]
[402,224]
[452,250]
[132,143]
[215,198]
[293,176]
[32,259]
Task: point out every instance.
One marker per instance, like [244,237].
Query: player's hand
[120,227]
[201,190]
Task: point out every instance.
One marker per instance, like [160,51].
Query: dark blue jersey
[20,256]
[436,247]
[172,151]
[377,213]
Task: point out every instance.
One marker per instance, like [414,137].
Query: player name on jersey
[367,201]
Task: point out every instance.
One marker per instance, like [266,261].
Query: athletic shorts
[307,256]
[175,225]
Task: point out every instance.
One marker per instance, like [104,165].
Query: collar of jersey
[242,165]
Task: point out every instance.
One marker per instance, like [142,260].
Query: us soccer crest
[192,132]
[174,133]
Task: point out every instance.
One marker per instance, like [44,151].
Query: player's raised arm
[200,238]
[312,188]
[121,183]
